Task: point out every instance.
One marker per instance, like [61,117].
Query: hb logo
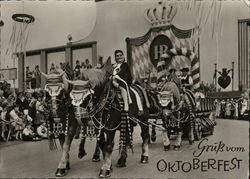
[159,46]
[90,130]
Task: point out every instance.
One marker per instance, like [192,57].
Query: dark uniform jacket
[124,73]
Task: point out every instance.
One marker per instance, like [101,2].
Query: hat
[172,70]
[185,69]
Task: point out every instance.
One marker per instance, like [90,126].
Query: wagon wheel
[197,130]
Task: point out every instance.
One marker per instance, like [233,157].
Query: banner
[8,74]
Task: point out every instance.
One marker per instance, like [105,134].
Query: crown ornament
[161,15]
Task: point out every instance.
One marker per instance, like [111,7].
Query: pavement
[34,159]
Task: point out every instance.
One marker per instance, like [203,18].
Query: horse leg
[81,150]
[61,138]
[191,131]
[64,162]
[153,132]
[96,156]
[179,138]
[108,149]
[145,142]
[165,133]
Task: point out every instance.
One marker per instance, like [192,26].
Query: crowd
[231,108]
[21,115]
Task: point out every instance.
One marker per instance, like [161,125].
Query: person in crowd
[77,68]
[87,64]
[42,131]
[173,77]
[122,78]
[217,108]
[228,109]
[39,119]
[1,86]
[28,77]
[162,83]
[186,80]
[29,135]
[22,102]
[32,106]
[7,90]
[17,123]
[100,64]
[2,98]
[52,68]
[37,74]
[3,126]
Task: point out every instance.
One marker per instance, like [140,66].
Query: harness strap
[144,94]
[138,99]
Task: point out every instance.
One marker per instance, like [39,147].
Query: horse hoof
[96,158]
[121,163]
[67,166]
[144,159]
[104,174]
[166,147]
[60,172]
[177,147]
[191,142]
[81,154]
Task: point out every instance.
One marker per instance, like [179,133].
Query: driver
[122,78]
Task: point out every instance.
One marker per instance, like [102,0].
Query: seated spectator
[42,130]
[29,135]
[17,123]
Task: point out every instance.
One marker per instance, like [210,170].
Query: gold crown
[161,15]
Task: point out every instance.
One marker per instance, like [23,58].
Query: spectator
[1,86]
[87,64]
[29,135]
[100,64]
[2,98]
[42,130]
[39,119]
[37,75]
[7,90]
[28,77]
[52,68]
[77,68]
[22,102]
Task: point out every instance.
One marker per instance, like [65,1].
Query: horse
[177,114]
[108,113]
[61,116]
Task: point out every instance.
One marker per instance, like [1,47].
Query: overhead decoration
[144,52]
[224,80]
[19,34]
[161,15]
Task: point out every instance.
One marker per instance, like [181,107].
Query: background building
[244,52]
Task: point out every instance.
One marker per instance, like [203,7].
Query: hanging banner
[8,74]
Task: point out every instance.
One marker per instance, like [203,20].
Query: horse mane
[97,77]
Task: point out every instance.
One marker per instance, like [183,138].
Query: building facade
[244,53]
